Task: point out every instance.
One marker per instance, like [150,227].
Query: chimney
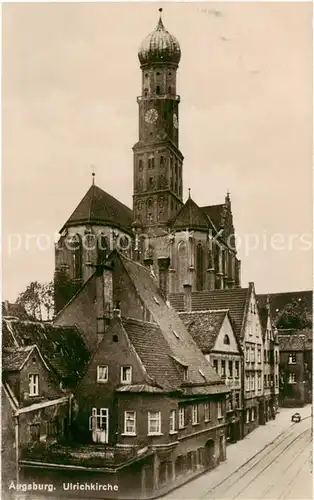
[104,300]
[187,297]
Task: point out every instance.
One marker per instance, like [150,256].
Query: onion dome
[159,46]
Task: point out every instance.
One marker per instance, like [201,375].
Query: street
[282,470]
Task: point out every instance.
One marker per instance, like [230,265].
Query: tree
[294,315]
[38,300]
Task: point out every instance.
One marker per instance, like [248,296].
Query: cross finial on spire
[93,174]
[189,193]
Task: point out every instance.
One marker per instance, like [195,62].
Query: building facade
[213,333]
[295,349]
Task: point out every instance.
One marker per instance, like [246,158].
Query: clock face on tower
[151,115]
[175,120]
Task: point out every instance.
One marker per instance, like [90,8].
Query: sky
[69,85]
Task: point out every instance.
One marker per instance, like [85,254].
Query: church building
[183,243]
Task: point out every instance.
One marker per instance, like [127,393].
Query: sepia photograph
[157,251]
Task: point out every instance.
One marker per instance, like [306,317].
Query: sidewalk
[239,453]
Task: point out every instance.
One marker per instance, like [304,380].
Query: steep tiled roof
[191,217]
[62,347]
[139,388]
[14,359]
[280,300]
[99,207]
[295,340]
[154,352]
[204,326]
[214,212]
[180,342]
[235,300]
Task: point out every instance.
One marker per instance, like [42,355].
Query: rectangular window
[207,412]
[271,380]
[181,418]
[237,398]
[259,355]
[265,356]
[292,359]
[265,380]
[247,354]
[172,425]
[230,369]
[247,382]
[259,381]
[215,365]
[248,415]
[253,382]
[237,369]
[219,409]
[292,378]
[126,374]
[33,385]
[154,422]
[252,414]
[223,368]
[194,414]
[102,373]
[276,357]
[130,423]
[185,373]
[276,380]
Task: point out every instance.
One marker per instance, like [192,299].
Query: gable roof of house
[295,340]
[278,301]
[204,326]
[154,352]
[180,342]
[99,207]
[191,217]
[236,300]
[62,347]
[14,359]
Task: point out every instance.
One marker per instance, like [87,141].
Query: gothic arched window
[182,264]
[102,248]
[199,267]
[76,249]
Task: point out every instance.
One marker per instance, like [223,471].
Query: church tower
[158,161]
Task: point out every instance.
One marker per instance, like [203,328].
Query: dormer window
[226,340]
[34,385]
[126,374]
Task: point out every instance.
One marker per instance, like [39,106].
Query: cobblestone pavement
[272,462]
